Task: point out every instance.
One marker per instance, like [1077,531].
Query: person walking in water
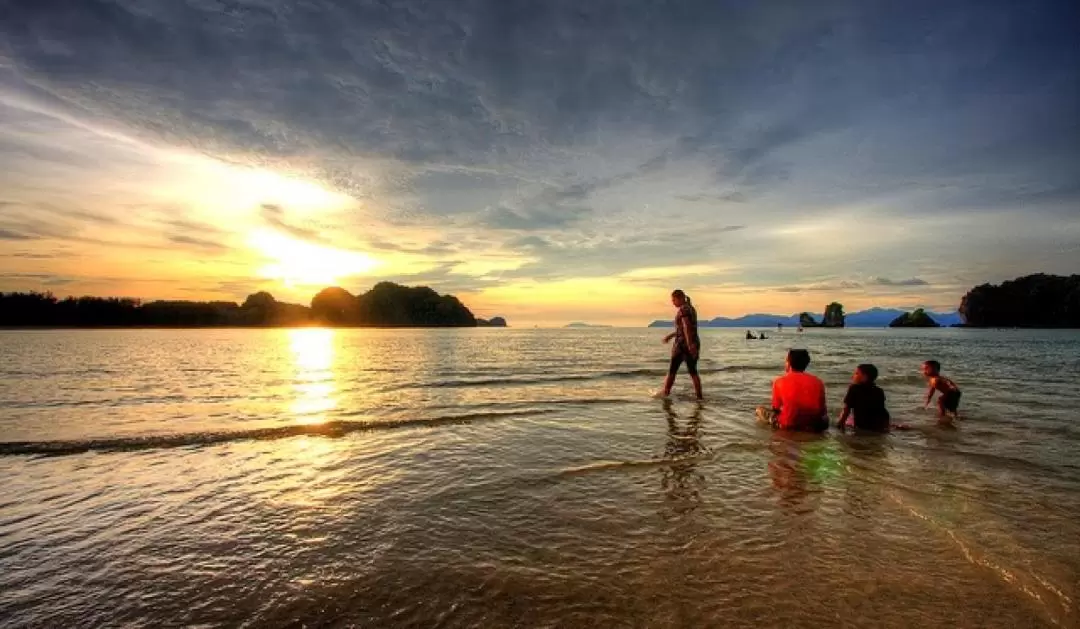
[687,345]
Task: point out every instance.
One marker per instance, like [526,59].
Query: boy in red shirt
[798,398]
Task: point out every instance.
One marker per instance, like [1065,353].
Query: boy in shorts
[949,400]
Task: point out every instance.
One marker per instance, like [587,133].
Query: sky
[546,161]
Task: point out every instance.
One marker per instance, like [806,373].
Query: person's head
[931,368]
[865,374]
[679,298]
[797,360]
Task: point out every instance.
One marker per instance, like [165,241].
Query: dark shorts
[677,359]
[950,401]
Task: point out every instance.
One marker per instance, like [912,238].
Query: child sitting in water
[866,401]
[798,398]
[949,400]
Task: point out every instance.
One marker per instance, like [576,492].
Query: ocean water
[525,478]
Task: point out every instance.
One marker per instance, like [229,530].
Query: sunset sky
[546,161]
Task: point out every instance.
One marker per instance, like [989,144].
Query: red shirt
[801,400]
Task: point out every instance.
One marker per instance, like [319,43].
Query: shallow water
[461,478]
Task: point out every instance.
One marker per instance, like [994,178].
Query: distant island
[1032,301]
[871,318]
[579,324]
[385,305]
[833,317]
[915,319]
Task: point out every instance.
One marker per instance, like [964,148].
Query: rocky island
[1032,301]
[833,317]
[915,319]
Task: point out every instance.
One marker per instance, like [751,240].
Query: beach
[527,478]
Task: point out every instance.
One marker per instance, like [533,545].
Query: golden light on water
[315,386]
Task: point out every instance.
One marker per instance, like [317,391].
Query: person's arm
[844,414]
[688,336]
[930,393]
[667,339]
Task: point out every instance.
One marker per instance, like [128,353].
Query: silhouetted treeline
[1033,301]
[387,304]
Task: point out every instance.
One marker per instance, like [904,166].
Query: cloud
[827,287]
[672,272]
[504,218]
[8,234]
[274,215]
[201,243]
[577,140]
[884,281]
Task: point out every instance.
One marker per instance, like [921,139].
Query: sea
[528,478]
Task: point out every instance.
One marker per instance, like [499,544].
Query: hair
[934,365]
[678,292]
[869,371]
[799,359]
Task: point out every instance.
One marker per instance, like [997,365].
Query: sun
[296,263]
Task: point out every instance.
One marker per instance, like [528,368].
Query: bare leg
[944,416]
[697,385]
[668,383]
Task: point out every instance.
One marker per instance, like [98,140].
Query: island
[385,305]
[494,322]
[1031,301]
[915,319]
[833,317]
[579,324]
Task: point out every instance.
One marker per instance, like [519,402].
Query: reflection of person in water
[801,461]
[680,478]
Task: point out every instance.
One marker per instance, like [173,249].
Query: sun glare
[313,356]
[299,263]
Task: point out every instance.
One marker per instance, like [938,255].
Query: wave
[1049,598]
[336,428]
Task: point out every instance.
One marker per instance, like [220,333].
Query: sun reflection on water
[313,356]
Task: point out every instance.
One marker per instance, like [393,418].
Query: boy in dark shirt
[949,400]
[866,401]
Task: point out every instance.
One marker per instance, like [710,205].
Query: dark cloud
[29,255]
[528,243]
[8,234]
[194,241]
[828,287]
[45,279]
[727,197]
[75,216]
[274,215]
[532,220]
[884,281]
[492,82]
